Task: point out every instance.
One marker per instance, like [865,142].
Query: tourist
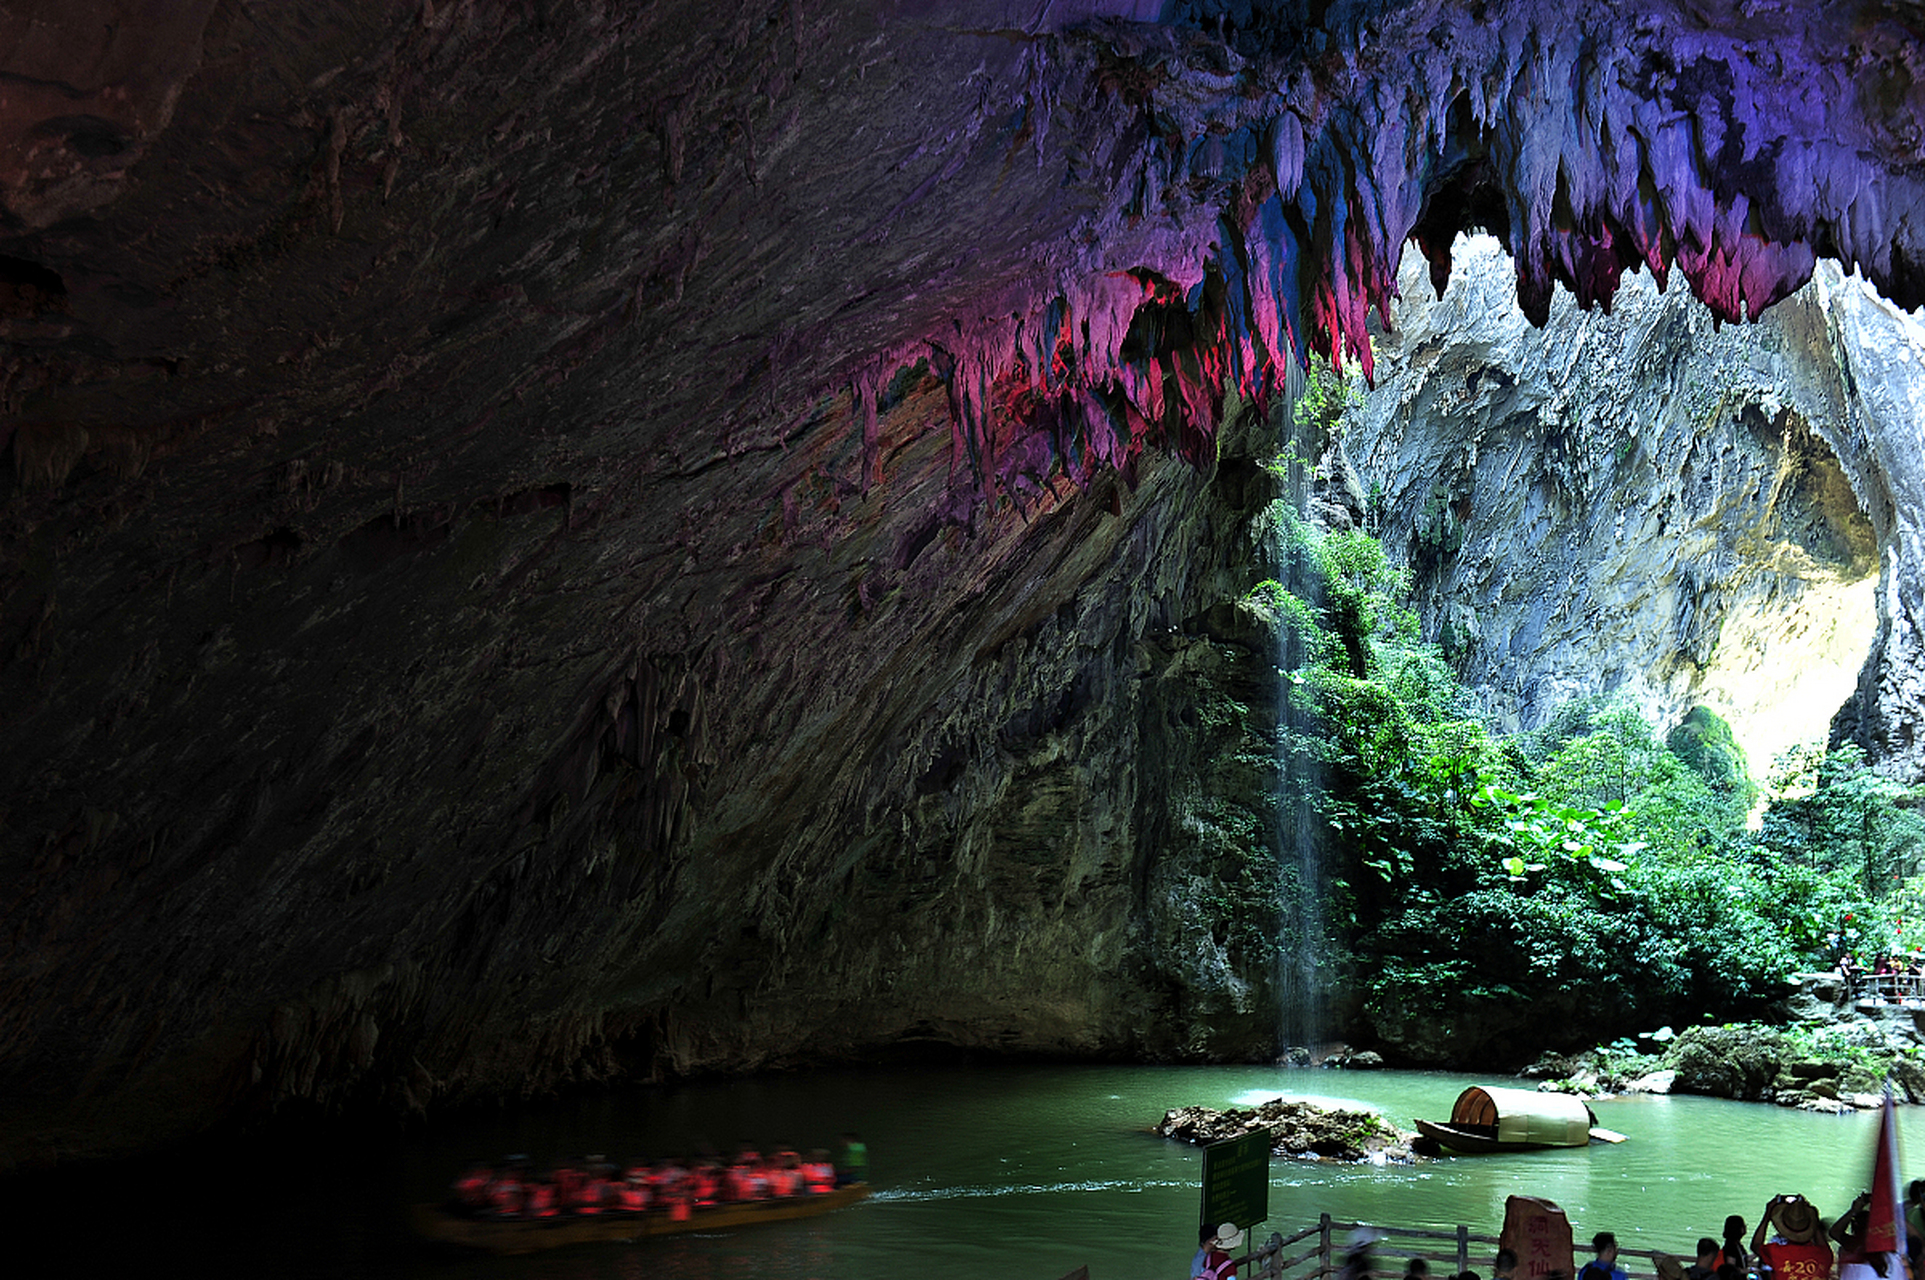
[854,1163]
[1849,1234]
[540,1199]
[505,1193]
[631,1190]
[786,1178]
[1504,1265]
[1205,1236]
[1358,1263]
[1709,1258]
[1788,1243]
[471,1188]
[1605,1265]
[820,1172]
[1417,1269]
[1217,1261]
[1734,1244]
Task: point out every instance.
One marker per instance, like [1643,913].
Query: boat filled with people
[513,1206]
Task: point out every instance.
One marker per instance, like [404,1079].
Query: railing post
[1463,1248]
[1323,1247]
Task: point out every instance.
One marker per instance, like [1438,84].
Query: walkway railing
[1888,988]
[1317,1253]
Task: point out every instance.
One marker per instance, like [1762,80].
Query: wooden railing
[1317,1253]
[1888,988]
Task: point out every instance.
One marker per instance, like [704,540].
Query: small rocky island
[1300,1129]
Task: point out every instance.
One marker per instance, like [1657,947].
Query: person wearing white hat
[1213,1260]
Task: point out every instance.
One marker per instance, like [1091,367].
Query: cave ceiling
[411,405]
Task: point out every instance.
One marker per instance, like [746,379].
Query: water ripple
[905,1195]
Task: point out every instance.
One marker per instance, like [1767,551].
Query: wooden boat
[1490,1119]
[433,1222]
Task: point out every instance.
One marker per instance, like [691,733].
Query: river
[988,1173]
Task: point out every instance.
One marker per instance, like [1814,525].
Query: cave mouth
[1645,503]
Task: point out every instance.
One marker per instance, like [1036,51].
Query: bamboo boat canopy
[1525,1116]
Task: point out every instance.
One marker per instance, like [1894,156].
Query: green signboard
[1236,1180]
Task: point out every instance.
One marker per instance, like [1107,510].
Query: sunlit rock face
[1647,505]
[544,541]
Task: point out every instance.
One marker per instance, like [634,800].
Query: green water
[1031,1172]
[986,1173]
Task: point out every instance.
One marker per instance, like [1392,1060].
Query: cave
[548,543]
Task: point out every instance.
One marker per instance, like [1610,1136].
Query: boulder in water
[1301,1129]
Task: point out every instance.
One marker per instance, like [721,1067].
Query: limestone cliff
[1646,504]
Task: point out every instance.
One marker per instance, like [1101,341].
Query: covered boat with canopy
[1488,1118]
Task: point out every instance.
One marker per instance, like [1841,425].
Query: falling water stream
[993,1173]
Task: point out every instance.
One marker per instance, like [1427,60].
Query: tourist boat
[435,1223]
[1487,1119]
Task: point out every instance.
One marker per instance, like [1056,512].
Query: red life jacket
[471,1189]
[821,1176]
[541,1201]
[505,1196]
[631,1196]
[589,1195]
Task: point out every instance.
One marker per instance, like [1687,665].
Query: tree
[1832,810]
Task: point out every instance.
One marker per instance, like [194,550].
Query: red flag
[1885,1229]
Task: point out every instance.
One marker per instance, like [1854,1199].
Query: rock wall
[815,774]
[1647,504]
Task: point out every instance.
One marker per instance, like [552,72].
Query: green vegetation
[1595,870]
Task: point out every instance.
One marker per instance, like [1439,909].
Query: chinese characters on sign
[1540,1235]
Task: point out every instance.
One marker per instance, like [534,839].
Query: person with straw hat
[1216,1260]
[1797,1249]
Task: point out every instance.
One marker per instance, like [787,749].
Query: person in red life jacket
[470,1190]
[631,1194]
[591,1188]
[665,1181]
[540,1199]
[1709,1258]
[1215,1260]
[820,1172]
[1795,1250]
[707,1188]
[505,1194]
[785,1174]
[671,1188]
[567,1177]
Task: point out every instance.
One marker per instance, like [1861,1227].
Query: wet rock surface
[1301,1129]
[1638,503]
[1828,1067]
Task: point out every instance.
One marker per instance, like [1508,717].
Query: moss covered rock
[1301,1129]
[1728,1062]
